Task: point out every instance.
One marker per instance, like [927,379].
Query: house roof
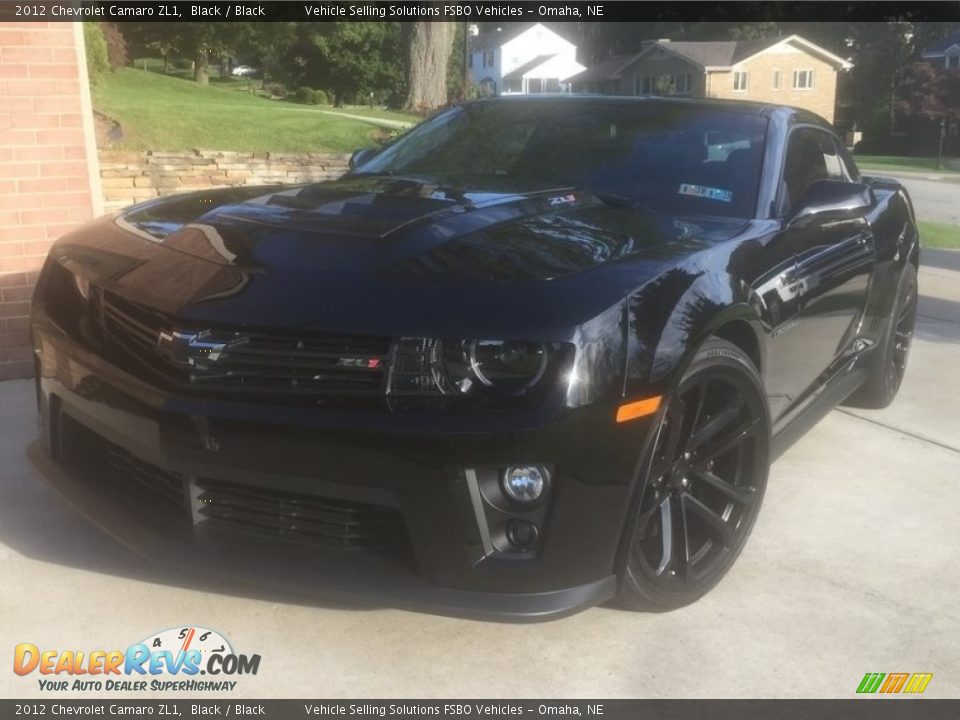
[518,73]
[710,55]
[940,48]
[724,54]
[491,40]
[609,69]
[500,37]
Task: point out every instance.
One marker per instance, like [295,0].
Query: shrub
[116,45]
[304,95]
[275,89]
[96,50]
[320,98]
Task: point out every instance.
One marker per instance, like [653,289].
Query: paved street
[851,568]
[937,200]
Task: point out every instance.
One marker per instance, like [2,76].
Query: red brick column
[48,176]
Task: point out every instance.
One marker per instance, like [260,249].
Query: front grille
[131,482]
[160,485]
[230,362]
[292,516]
[161,498]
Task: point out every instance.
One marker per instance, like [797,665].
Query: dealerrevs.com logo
[170,660]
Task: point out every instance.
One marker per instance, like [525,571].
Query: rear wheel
[705,478]
[890,362]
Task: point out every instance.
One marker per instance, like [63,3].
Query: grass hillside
[162,112]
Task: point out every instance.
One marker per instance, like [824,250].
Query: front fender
[661,345]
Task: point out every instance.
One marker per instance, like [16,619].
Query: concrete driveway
[852,568]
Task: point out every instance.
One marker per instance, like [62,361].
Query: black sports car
[534,355]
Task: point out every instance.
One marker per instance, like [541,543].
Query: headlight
[525,484]
[426,366]
[507,364]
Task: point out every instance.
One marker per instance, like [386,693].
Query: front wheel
[706,473]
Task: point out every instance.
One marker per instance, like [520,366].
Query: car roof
[785,113]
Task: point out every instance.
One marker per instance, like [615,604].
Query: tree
[430,45]
[96,51]
[932,95]
[754,31]
[351,60]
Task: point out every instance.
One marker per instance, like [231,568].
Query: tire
[887,368]
[705,474]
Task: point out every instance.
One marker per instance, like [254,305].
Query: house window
[645,85]
[776,79]
[488,58]
[952,61]
[682,83]
[802,79]
[740,80]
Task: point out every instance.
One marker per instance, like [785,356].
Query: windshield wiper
[616,200]
[423,179]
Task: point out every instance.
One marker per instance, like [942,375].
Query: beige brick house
[786,71]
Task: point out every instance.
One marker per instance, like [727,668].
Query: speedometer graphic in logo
[183,639]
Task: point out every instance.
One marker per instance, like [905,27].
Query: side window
[853,172]
[811,156]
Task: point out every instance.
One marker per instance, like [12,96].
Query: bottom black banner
[866,709]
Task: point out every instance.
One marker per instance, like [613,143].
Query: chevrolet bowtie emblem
[189,348]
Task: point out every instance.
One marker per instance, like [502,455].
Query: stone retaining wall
[131,177]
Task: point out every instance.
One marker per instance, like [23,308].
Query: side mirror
[831,199]
[360,156]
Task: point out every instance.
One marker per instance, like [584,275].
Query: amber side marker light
[638,409]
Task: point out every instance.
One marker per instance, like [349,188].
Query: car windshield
[677,158]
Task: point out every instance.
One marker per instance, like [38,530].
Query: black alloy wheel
[889,359]
[705,480]
[905,322]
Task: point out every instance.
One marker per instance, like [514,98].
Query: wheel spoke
[716,424]
[673,439]
[717,525]
[742,495]
[701,398]
[666,535]
[647,516]
[728,441]
[681,542]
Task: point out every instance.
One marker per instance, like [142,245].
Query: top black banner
[474,11]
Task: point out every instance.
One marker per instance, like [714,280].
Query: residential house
[944,54]
[522,60]
[787,71]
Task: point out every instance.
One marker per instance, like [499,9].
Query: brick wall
[130,177]
[47,181]
[821,98]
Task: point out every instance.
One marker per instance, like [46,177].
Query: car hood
[376,254]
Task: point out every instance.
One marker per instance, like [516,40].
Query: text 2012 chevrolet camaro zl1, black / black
[535,355]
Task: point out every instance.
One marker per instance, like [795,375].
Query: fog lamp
[525,484]
[522,534]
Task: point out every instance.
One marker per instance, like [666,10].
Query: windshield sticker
[706,192]
[563,200]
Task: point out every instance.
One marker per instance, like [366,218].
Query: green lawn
[898,162]
[166,112]
[939,235]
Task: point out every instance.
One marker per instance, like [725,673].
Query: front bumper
[329,454]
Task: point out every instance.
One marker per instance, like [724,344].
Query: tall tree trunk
[200,63]
[430,47]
